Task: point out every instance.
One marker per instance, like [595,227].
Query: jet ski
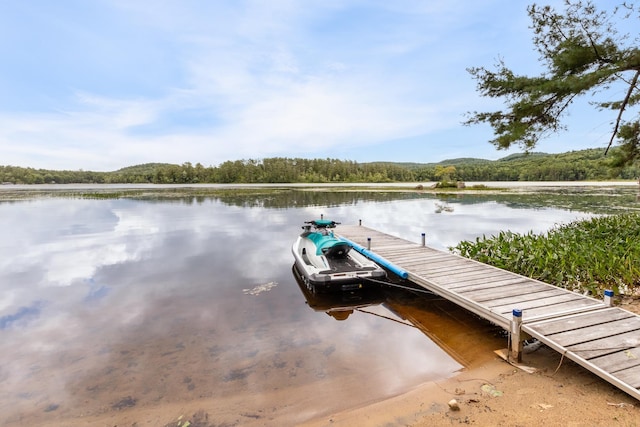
[326,263]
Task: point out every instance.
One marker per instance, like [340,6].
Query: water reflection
[122,307]
[116,305]
[463,336]
[340,305]
[464,221]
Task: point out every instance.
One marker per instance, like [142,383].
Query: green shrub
[447,184]
[595,254]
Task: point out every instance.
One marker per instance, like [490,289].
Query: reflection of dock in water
[460,334]
[468,340]
[601,338]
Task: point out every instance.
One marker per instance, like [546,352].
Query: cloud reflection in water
[145,299]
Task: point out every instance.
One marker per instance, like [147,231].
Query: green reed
[588,255]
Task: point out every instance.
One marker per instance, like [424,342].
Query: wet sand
[497,394]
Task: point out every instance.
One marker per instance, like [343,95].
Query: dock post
[368,243]
[516,338]
[360,222]
[424,236]
[608,298]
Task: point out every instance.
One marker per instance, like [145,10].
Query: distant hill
[590,154]
[520,156]
[144,168]
[577,165]
[458,161]
[462,161]
[414,166]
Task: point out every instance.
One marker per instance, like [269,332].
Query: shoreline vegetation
[590,255]
[582,165]
[583,195]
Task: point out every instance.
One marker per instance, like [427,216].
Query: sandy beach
[495,393]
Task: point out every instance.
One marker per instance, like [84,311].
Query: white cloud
[233,80]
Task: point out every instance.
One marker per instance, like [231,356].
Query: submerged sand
[488,391]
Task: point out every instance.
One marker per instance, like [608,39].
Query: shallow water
[108,307]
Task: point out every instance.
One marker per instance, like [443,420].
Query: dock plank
[481,284]
[617,361]
[555,309]
[456,268]
[462,274]
[532,300]
[477,277]
[578,321]
[502,291]
[600,347]
[630,376]
[595,332]
[415,258]
[518,300]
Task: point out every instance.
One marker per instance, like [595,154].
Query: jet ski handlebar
[322,223]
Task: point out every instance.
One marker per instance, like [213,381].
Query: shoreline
[493,392]
[559,393]
[390,185]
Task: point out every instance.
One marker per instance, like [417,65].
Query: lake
[150,306]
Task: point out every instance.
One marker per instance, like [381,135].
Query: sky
[104,84]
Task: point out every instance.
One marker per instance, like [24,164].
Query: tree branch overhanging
[625,102]
[584,53]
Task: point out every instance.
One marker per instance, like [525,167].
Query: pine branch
[632,86]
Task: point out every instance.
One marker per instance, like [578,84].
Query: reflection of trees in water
[596,200]
[443,207]
[297,198]
[593,200]
[586,199]
[260,197]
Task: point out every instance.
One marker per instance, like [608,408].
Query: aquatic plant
[587,255]
[102,195]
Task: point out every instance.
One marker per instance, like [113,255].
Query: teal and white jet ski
[327,263]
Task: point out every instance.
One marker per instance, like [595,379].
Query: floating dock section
[601,338]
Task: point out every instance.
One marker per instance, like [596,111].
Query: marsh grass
[588,255]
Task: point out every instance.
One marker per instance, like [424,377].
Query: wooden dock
[601,338]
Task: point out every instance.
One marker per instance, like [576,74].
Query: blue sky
[104,84]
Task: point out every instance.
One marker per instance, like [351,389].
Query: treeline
[580,165]
[572,166]
[270,170]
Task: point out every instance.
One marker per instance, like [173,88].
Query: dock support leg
[368,243]
[424,239]
[516,336]
[608,298]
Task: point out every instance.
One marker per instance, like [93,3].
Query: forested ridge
[589,164]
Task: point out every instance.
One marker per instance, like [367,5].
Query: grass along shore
[588,255]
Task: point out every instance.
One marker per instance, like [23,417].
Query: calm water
[141,310]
